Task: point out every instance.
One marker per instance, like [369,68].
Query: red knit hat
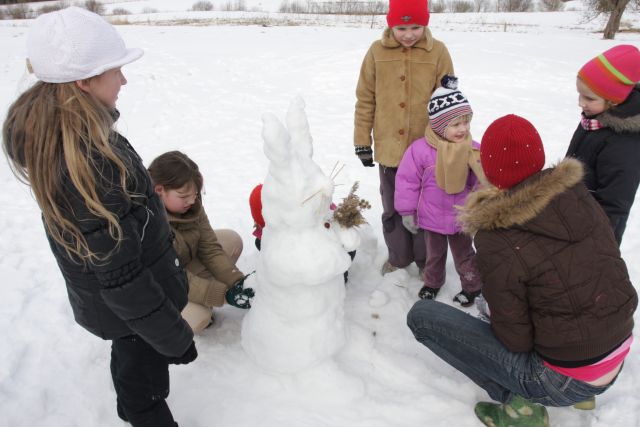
[407,12]
[511,151]
[613,74]
[255,203]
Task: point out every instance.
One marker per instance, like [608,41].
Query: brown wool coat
[209,270]
[551,268]
[393,91]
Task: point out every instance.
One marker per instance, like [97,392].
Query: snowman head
[296,193]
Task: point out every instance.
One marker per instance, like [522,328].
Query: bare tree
[481,5]
[460,6]
[551,5]
[514,5]
[613,8]
[437,6]
[613,24]
[94,6]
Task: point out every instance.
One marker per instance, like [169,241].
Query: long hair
[174,170]
[54,131]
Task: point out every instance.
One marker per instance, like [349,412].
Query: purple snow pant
[404,247]
[464,259]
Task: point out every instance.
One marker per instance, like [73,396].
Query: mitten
[188,356]
[365,154]
[239,296]
[409,223]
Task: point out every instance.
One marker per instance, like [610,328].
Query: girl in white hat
[106,226]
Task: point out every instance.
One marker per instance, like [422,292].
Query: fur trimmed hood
[520,206]
[623,117]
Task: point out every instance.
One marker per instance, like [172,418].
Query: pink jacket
[418,193]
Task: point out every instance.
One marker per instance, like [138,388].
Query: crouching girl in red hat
[559,293]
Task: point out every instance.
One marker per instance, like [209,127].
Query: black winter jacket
[612,159]
[142,288]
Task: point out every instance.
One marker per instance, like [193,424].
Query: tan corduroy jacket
[394,88]
[209,269]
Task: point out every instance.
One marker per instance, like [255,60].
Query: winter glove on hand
[239,296]
[188,356]
[365,154]
[410,224]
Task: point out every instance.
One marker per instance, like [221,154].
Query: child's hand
[365,154]
[239,296]
[409,223]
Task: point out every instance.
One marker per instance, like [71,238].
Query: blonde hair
[55,130]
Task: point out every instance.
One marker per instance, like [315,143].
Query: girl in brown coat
[398,75]
[559,293]
[209,256]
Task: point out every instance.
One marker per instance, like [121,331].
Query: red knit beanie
[613,74]
[511,151]
[255,203]
[407,12]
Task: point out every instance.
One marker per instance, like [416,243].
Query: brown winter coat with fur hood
[551,268]
[209,270]
[393,91]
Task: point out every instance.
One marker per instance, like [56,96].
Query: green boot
[586,405]
[517,413]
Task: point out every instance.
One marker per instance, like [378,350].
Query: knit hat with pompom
[447,103]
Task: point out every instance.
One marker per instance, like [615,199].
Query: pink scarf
[590,124]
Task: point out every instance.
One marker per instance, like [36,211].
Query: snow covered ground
[203,89]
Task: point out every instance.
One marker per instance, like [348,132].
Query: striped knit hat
[447,103]
[613,74]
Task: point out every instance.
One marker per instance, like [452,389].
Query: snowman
[296,320]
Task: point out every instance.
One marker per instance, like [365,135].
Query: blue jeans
[469,345]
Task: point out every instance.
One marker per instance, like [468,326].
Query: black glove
[365,154]
[188,356]
[238,295]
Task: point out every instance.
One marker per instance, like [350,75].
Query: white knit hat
[74,44]
[447,103]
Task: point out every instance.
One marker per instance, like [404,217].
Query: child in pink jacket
[435,175]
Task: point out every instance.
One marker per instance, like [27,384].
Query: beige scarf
[453,162]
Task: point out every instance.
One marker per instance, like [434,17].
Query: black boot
[465,298]
[428,293]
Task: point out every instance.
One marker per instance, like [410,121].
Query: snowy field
[203,90]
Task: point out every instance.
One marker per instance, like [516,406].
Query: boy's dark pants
[141,380]
[404,247]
